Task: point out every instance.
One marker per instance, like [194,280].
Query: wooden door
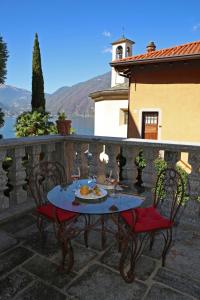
[150,125]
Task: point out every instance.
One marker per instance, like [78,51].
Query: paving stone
[186,232]
[158,292]
[94,240]
[26,232]
[82,256]
[157,249]
[6,241]
[178,281]
[184,257]
[41,291]
[100,283]
[144,267]
[48,271]
[14,283]
[47,246]
[13,258]
[18,223]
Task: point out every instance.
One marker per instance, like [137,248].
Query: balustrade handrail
[164,145]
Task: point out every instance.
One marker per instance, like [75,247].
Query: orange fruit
[84,190]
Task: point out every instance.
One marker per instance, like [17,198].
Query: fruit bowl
[93,196]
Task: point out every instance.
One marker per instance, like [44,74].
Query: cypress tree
[38,99]
[3,60]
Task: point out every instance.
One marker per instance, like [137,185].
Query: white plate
[91,196]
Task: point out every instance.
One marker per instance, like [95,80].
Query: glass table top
[63,197]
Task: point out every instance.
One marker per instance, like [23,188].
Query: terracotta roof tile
[185,49]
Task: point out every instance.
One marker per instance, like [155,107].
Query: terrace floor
[28,267]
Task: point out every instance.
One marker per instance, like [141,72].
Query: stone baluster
[82,159]
[194,176]
[49,151]
[96,167]
[17,176]
[69,158]
[149,175]
[34,153]
[130,169]
[192,210]
[112,151]
[4,201]
[171,158]
[59,153]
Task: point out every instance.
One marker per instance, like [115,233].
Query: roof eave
[95,96]
[155,60]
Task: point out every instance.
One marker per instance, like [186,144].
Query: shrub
[62,116]
[34,123]
[140,161]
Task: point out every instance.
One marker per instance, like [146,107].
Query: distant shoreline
[82,125]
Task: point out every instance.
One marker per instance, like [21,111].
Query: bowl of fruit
[91,195]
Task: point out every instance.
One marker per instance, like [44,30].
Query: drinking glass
[76,174]
[114,181]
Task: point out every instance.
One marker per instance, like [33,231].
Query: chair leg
[87,224]
[128,259]
[67,253]
[103,233]
[168,240]
[40,225]
[152,238]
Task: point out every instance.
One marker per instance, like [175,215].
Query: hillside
[73,100]
[14,100]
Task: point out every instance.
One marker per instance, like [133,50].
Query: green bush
[34,123]
[140,161]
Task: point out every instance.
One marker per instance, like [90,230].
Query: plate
[91,197]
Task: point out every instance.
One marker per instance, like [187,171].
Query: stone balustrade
[85,152]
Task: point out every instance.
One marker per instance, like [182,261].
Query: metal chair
[142,224]
[42,178]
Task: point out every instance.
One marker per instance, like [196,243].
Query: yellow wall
[175,91]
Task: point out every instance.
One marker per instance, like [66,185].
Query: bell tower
[120,49]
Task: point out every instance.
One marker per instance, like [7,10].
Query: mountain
[14,100]
[73,100]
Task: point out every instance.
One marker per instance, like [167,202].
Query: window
[123,119]
[125,116]
[119,52]
[128,52]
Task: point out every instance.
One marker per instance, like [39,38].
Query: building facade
[164,98]
[111,105]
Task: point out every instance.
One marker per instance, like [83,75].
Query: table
[63,197]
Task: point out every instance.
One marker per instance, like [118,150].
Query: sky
[75,36]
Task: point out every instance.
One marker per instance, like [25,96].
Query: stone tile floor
[28,267]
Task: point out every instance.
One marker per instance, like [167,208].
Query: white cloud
[107,50]
[196,27]
[106,33]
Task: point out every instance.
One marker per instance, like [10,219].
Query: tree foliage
[3,60]
[38,98]
[34,123]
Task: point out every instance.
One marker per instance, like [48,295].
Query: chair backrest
[43,177]
[169,192]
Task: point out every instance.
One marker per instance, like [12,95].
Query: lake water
[80,124]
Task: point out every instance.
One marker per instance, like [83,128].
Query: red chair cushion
[147,219]
[47,210]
